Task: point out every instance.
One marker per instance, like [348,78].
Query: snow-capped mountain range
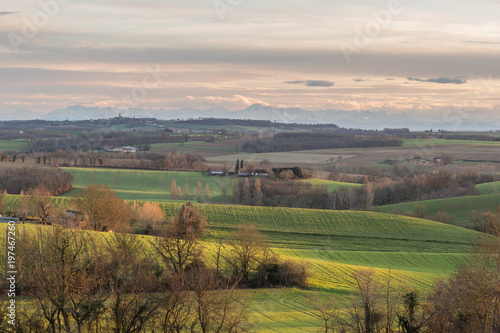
[349,119]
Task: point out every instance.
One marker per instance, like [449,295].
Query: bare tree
[173,190]
[148,215]
[257,200]
[366,314]
[186,191]
[199,192]
[224,190]
[179,246]
[329,314]
[246,248]
[103,207]
[469,300]
[56,269]
[132,281]
[217,307]
[247,192]
[208,195]
[39,203]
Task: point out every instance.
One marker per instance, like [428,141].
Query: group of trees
[283,192]
[140,160]
[308,141]
[440,184]
[78,282]
[76,285]
[22,180]
[12,157]
[99,140]
[289,193]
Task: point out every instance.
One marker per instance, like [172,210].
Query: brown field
[206,149]
[368,156]
[29,162]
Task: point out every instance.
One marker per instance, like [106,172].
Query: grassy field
[460,207]
[206,149]
[325,229]
[489,188]
[12,145]
[335,244]
[147,185]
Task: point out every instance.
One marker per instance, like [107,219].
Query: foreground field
[291,310]
[335,244]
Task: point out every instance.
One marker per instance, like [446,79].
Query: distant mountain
[79,112]
[23,114]
[351,119]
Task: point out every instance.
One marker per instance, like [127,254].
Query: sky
[397,56]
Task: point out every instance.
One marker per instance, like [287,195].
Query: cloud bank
[313,83]
[442,80]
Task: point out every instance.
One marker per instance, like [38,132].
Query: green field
[460,207]
[147,185]
[335,244]
[489,188]
[331,185]
[12,145]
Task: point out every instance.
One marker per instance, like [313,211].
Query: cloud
[442,80]
[313,83]
[8,13]
[359,80]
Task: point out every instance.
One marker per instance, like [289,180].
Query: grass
[327,230]
[277,310]
[489,188]
[147,185]
[459,207]
[335,244]
[12,145]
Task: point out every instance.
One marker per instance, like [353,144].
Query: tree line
[22,180]
[140,160]
[283,191]
[101,140]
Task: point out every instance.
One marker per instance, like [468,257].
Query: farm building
[260,172]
